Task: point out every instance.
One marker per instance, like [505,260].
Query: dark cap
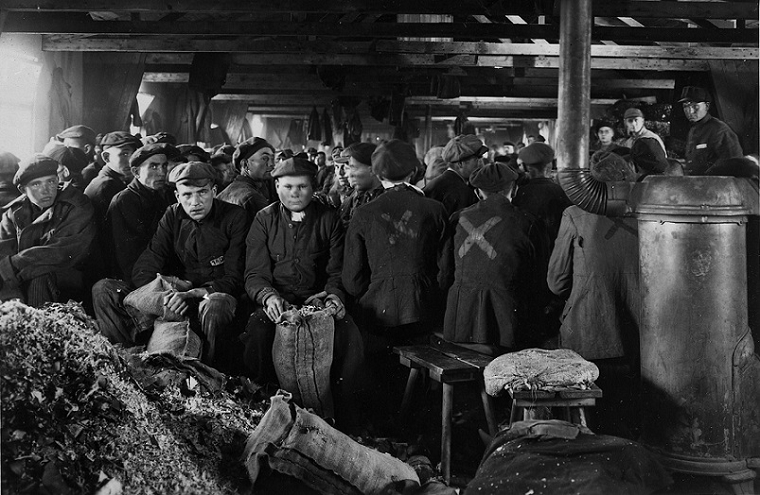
[248,148]
[312,151]
[192,149]
[604,123]
[493,177]
[607,166]
[536,154]
[192,171]
[77,131]
[462,147]
[160,137]
[361,152]
[648,155]
[220,158]
[142,154]
[72,158]
[336,151]
[294,166]
[394,160]
[8,163]
[632,113]
[34,167]
[119,139]
[694,94]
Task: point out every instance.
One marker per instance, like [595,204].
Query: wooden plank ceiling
[492,59]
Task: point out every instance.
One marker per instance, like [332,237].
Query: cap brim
[341,159]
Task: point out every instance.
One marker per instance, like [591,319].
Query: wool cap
[294,166]
[8,163]
[607,166]
[119,139]
[336,151]
[694,94]
[462,147]
[493,177]
[361,152]
[160,137]
[34,167]
[142,154]
[77,131]
[248,148]
[394,160]
[537,154]
[72,158]
[604,123]
[220,158]
[192,171]
[648,155]
[192,149]
[632,113]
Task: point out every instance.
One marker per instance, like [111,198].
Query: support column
[574,98]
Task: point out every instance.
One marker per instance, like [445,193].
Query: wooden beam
[680,9]
[28,23]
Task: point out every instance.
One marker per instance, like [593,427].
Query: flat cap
[394,160]
[648,155]
[248,148]
[220,158]
[142,154]
[694,94]
[8,163]
[77,131]
[361,152]
[336,151]
[537,154]
[34,167]
[192,171]
[192,149]
[72,158]
[294,166]
[119,139]
[160,137]
[462,147]
[632,113]
[493,177]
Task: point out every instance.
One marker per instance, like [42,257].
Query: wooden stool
[447,364]
[572,399]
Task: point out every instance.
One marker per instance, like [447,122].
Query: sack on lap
[149,298]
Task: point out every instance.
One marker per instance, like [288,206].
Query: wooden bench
[573,400]
[448,364]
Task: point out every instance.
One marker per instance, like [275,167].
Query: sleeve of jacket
[447,263]
[66,246]
[120,228]
[153,259]
[8,239]
[258,262]
[356,272]
[234,257]
[334,268]
[728,144]
[560,274]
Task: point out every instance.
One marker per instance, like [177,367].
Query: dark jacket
[253,195]
[131,221]
[392,252]
[451,189]
[8,192]
[355,200]
[209,253]
[546,200]
[493,257]
[57,239]
[103,188]
[90,172]
[709,140]
[595,266]
[296,259]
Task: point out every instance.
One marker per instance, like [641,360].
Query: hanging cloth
[314,128]
[327,126]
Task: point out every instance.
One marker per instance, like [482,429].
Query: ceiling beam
[31,24]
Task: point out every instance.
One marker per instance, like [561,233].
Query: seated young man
[200,240]
[294,257]
[43,233]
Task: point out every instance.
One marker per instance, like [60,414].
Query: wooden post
[428,128]
[447,406]
[574,98]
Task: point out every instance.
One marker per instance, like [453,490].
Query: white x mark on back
[476,236]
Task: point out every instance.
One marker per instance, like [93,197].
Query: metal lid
[704,197]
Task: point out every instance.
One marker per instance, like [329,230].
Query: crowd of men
[492,253]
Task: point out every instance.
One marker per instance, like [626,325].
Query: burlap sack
[175,338]
[302,354]
[149,299]
[538,369]
[293,441]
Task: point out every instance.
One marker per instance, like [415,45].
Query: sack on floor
[149,298]
[175,338]
[295,442]
[302,354]
[539,369]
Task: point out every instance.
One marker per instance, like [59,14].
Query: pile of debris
[81,416]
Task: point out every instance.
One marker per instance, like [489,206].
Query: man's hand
[340,309]
[177,301]
[274,306]
[316,300]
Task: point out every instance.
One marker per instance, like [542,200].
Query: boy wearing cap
[252,189]
[72,161]
[492,261]
[8,169]
[294,257]
[79,136]
[464,155]
[709,139]
[634,127]
[200,240]
[113,177]
[365,186]
[135,212]
[44,232]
